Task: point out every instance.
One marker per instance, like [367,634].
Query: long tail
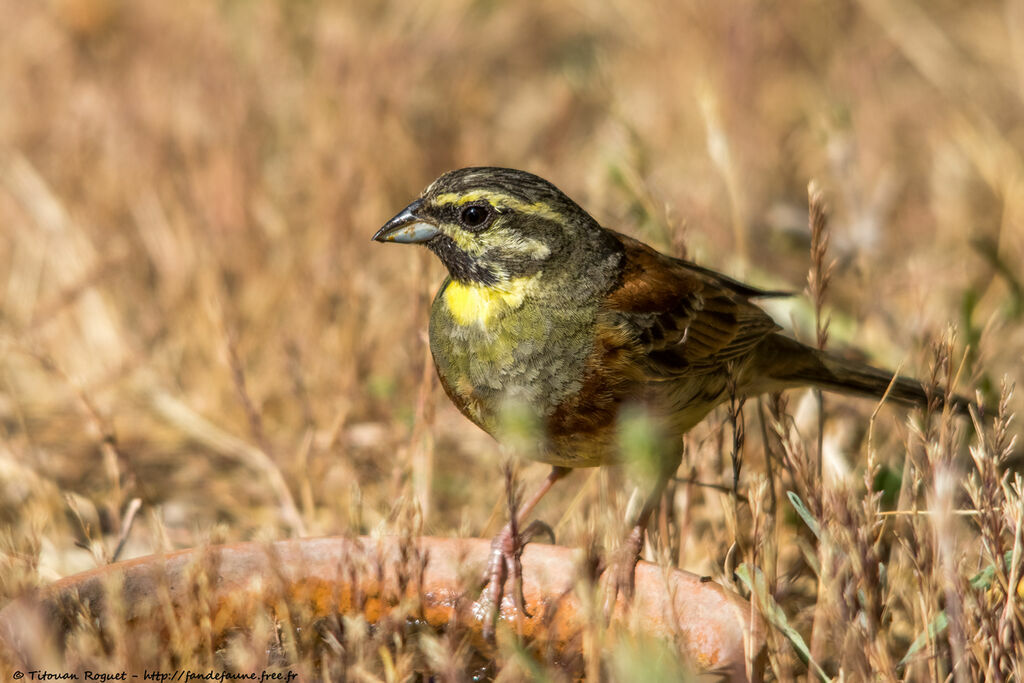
[791,363]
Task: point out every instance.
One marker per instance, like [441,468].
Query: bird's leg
[507,549]
[622,569]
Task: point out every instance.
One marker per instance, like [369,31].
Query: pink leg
[507,549]
[623,565]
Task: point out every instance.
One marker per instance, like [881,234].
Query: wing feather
[685,319]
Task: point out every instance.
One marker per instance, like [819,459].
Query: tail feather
[791,363]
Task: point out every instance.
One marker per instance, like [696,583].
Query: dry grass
[192,314]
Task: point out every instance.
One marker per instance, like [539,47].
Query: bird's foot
[621,571]
[506,561]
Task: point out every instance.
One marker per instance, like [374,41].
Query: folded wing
[685,320]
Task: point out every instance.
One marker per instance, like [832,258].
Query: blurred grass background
[192,313]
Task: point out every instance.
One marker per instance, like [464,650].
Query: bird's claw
[505,560]
[622,570]
[533,530]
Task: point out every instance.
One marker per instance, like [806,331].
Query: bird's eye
[474,216]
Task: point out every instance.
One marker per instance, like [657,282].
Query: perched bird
[547,311]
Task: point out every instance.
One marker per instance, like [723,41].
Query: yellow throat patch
[478,304]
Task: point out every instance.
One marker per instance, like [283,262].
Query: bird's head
[493,226]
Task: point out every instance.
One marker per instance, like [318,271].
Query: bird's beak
[406,227]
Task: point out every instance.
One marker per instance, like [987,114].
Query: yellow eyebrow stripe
[460,199]
[500,200]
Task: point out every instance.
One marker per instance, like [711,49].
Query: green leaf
[937,626]
[887,481]
[980,581]
[804,513]
[755,581]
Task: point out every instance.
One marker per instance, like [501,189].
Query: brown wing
[684,318]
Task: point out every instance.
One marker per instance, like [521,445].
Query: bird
[548,315]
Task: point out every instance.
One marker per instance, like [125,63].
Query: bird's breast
[497,350]
[477,305]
